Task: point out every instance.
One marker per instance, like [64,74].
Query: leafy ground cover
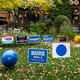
[55,69]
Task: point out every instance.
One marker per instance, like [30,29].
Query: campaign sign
[21,39]
[75,29]
[48,38]
[16,30]
[7,39]
[60,50]
[63,39]
[37,55]
[34,39]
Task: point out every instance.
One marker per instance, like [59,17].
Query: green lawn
[55,69]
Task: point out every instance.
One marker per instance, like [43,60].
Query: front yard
[55,69]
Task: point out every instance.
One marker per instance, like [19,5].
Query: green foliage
[67,31]
[8,5]
[49,22]
[52,31]
[61,20]
[38,6]
[37,27]
[63,9]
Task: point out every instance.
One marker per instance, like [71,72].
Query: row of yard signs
[24,39]
[30,39]
[59,50]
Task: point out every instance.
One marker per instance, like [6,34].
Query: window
[76,17]
[74,2]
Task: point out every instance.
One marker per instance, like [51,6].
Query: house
[6,16]
[75,7]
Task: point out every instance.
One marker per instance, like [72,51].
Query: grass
[55,69]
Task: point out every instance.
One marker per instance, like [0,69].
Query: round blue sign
[61,50]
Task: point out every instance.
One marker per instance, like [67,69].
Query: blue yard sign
[75,29]
[37,55]
[48,38]
[34,39]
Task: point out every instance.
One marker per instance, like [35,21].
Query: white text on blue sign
[34,39]
[48,38]
[37,55]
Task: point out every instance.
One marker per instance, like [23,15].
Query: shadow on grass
[6,69]
[18,45]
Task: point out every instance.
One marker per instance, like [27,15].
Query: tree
[38,6]
[10,6]
[63,9]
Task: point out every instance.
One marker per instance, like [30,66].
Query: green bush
[52,31]
[67,31]
[49,22]
[61,20]
[37,27]
[62,9]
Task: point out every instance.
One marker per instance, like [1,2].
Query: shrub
[37,27]
[67,31]
[49,22]
[64,8]
[61,20]
[52,31]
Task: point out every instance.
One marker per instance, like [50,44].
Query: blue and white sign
[60,50]
[37,55]
[75,29]
[7,39]
[48,38]
[34,39]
